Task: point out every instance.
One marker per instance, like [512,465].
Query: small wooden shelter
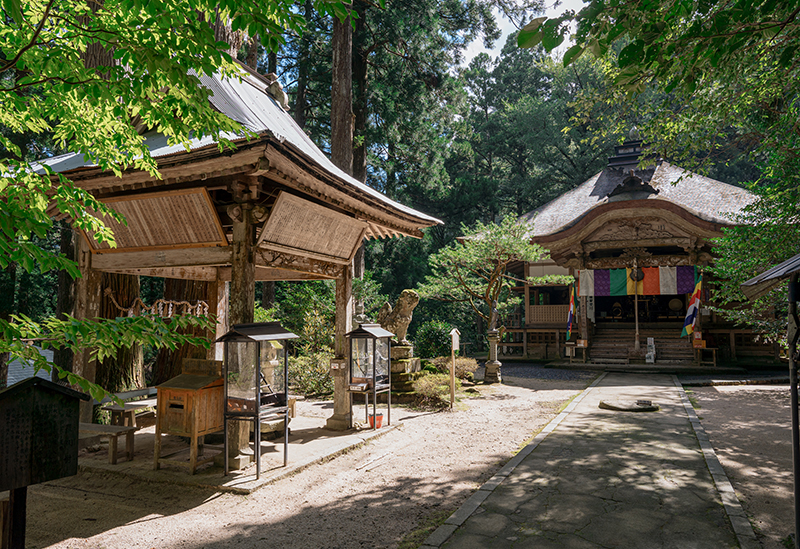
[274,208]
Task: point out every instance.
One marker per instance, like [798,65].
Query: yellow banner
[634,287]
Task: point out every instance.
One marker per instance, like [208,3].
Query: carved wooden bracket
[260,214]
[234,211]
[283,260]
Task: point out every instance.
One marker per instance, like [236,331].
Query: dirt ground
[390,492]
[750,429]
[378,495]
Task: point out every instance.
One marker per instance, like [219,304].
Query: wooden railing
[547,314]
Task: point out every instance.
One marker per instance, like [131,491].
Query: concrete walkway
[596,478]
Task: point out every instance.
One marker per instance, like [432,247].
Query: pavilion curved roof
[247,101]
[707,199]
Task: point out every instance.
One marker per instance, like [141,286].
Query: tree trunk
[251,60]
[169,363]
[125,371]
[224,33]
[360,67]
[303,56]
[65,301]
[272,62]
[241,308]
[267,294]
[342,96]
[97,55]
[360,54]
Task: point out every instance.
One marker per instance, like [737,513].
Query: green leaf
[14,9]
[573,54]
[551,37]
[630,54]
[529,39]
[787,56]
[530,36]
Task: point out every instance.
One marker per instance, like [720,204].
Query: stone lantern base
[492,367]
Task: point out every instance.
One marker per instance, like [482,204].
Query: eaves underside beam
[212,263]
[260,158]
[210,274]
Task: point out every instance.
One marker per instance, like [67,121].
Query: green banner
[619,282]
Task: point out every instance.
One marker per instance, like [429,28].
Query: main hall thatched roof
[703,197]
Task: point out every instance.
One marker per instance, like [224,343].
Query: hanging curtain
[656,281]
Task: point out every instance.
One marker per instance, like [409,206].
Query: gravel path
[750,429]
[388,493]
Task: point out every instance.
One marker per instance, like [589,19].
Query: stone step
[404,365]
[404,382]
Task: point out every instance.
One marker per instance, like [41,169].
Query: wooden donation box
[190,405]
[38,442]
[256,380]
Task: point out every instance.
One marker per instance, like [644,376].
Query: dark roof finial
[634,134]
[632,184]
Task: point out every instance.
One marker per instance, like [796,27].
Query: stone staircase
[615,343]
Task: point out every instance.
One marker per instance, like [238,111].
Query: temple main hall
[635,241]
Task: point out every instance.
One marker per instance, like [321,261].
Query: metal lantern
[369,368]
[256,372]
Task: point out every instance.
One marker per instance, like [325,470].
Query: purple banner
[685,276]
[602,282]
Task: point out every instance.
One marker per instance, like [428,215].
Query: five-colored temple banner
[656,281]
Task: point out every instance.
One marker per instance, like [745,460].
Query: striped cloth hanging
[656,281]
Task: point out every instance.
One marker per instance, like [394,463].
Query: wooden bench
[113,432]
[126,414]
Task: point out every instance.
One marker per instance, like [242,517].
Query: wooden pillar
[584,317]
[526,311]
[88,294]
[241,308]
[18,509]
[218,306]
[340,420]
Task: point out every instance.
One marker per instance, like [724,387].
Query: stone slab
[402,351]
[406,365]
[629,406]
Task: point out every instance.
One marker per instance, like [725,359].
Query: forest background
[470,143]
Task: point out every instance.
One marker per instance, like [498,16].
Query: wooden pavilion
[656,225]
[275,208]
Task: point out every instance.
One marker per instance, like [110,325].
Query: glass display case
[256,371]
[369,369]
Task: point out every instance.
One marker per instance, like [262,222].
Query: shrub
[432,339]
[317,334]
[465,366]
[430,367]
[433,391]
[308,374]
